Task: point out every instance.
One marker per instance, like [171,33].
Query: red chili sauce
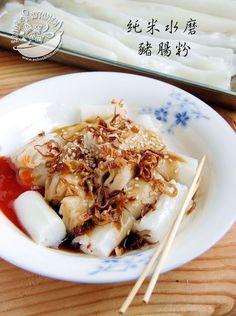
[10,188]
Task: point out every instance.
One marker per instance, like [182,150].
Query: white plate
[187,125]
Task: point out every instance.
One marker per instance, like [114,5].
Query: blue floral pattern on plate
[122,264]
[178,111]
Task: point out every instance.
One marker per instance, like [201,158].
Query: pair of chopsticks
[163,248]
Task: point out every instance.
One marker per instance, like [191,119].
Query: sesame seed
[129,189]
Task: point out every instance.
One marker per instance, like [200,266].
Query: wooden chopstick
[173,232]
[159,249]
[142,277]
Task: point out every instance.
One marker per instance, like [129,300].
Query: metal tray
[221,97]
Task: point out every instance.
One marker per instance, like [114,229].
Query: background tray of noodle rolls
[96,38]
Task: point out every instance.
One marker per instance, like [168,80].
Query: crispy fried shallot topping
[93,151]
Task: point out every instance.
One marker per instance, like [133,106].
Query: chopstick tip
[122,311]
